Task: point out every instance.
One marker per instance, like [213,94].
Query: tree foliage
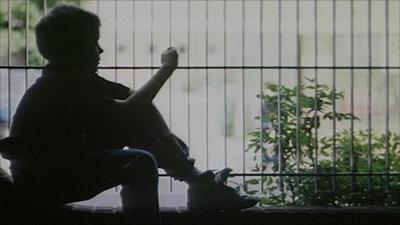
[13,26]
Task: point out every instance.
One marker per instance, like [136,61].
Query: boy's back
[69,112]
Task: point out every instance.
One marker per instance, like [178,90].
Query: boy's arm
[145,95]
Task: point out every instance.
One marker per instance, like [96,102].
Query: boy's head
[68,35]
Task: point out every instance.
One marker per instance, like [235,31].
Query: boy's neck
[71,68]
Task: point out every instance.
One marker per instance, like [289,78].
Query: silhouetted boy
[75,125]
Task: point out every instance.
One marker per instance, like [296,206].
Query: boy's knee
[144,162]
[148,160]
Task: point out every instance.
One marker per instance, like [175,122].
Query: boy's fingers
[171,49]
[171,54]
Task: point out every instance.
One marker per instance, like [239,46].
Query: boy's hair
[64,31]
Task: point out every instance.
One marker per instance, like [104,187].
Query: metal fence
[231,52]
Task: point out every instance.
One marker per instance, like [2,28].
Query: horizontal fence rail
[349,174]
[228,67]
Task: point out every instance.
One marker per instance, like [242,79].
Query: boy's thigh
[75,180]
[106,169]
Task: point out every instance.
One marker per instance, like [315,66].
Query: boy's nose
[99,49]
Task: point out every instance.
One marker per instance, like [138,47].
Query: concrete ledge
[292,216]
[82,215]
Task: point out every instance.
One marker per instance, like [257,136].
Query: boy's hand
[169,58]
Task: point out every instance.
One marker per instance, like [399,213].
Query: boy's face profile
[89,55]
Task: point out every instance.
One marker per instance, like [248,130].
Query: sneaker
[215,195]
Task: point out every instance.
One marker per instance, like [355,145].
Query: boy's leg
[207,190]
[140,184]
[63,181]
[171,153]
[137,172]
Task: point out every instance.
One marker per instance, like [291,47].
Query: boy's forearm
[145,94]
[149,90]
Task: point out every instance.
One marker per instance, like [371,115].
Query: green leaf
[253,181]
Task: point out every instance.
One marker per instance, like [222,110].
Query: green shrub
[300,148]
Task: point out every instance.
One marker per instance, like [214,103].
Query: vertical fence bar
[115,39]
[98,10]
[26,41]
[316,95]
[9,62]
[352,93]
[206,60]
[44,7]
[243,91]
[334,96]
[369,97]
[298,107]
[98,7]
[170,79]
[151,36]
[188,70]
[387,114]
[261,97]
[44,13]
[1,74]
[1,47]
[280,155]
[225,92]
[133,43]
[115,46]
